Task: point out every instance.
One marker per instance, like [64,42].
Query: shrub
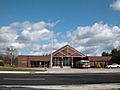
[97,65]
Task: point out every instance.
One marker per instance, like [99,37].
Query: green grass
[18,69]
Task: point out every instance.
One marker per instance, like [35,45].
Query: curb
[52,72]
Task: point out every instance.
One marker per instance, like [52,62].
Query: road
[59,79]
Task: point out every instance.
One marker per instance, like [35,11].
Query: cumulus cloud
[93,40]
[34,38]
[32,32]
[34,35]
[116,5]
[7,34]
[24,35]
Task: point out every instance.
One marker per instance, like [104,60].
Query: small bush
[97,65]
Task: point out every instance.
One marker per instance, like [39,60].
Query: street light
[11,53]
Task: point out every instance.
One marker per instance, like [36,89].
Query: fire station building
[65,57]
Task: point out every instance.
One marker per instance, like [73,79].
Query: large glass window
[56,61]
[66,61]
[39,64]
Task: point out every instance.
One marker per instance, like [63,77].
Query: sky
[90,26]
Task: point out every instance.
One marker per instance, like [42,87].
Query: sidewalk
[69,71]
[90,70]
[114,86]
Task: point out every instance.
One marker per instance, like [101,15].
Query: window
[56,61]
[66,61]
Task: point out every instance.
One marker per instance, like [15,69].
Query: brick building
[33,61]
[102,60]
[65,57]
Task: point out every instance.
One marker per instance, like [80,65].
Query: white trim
[66,66]
[56,66]
[61,53]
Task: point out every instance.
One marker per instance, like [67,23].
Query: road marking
[23,79]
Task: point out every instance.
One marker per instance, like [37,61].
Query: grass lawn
[18,69]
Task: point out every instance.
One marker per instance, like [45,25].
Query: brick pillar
[61,64]
[50,66]
[29,62]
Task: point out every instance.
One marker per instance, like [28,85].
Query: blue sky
[70,14]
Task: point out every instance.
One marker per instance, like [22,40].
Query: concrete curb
[18,72]
[115,86]
[63,71]
[8,72]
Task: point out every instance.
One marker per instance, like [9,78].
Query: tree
[105,54]
[115,53]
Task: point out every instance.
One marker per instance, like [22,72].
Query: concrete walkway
[115,86]
[69,70]
[90,70]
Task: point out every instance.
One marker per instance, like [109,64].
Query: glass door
[66,62]
[56,62]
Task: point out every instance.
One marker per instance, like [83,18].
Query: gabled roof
[67,51]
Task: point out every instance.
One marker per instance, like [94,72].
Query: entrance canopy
[66,57]
[67,51]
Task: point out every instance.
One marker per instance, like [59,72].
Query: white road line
[28,79]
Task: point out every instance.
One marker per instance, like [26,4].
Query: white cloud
[116,5]
[17,45]
[92,40]
[58,45]
[39,25]
[24,35]
[7,34]
[33,32]
[39,49]
[26,25]
[35,37]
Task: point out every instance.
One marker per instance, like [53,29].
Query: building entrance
[59,62]
[66,62]
[56,62]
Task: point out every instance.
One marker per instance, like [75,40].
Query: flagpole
[51,44]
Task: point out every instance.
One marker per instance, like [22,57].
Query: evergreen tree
[105,54]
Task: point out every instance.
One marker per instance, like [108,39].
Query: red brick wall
[22,61]
[25,61]
[103,60]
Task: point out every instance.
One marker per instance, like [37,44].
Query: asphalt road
[59,79]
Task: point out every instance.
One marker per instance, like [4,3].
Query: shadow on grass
[20,69]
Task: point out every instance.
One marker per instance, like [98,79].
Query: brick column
[61,62]
[50,64]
